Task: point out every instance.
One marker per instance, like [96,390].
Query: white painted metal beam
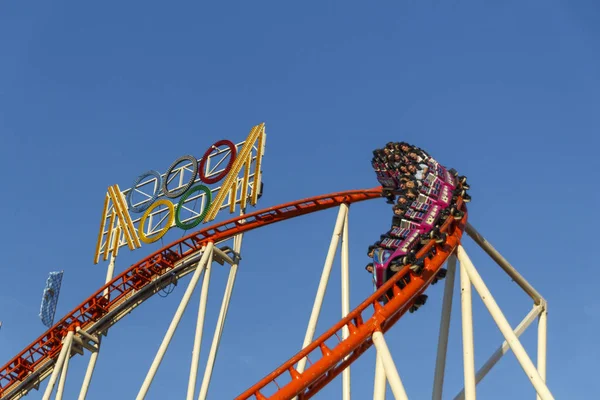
[380,381]
[314,316]
[440,363]
[214,348]
[514,343]
[175,322]
[64,353]
[503,349]
[345,274]
[467,334]
[199,329]
[504,264]
[390,368]
[542,342]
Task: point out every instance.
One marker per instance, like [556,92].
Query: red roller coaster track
[21,372]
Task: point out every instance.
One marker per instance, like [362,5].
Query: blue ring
[143,207]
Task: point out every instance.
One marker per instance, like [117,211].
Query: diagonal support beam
[314,316]
[504,326]
[64,353]
[504,264]
[388,365]
[207,254]
[503,349]
[380,381]
[214,347]
[199,331]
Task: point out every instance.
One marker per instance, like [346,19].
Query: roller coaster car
[387,180]
[424,204]
[449,176]
[394,254]
[398,233]
[443,197]
[434,181]
[427,232]
[427,218]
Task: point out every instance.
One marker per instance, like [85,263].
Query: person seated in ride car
[408,182]
[405,147]
[403,168]
[396,162]
[369,267]
[422,153]
[411,193]
[400,210]
[402,200]
[419,171]
[415,157]
[371,249]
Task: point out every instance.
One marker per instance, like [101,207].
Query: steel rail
[332,361]
[37,360]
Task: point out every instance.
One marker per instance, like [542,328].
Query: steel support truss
[385,369]
[76,341]
[209,253]
[469,277]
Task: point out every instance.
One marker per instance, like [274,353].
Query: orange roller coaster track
[25,370]
[332,361]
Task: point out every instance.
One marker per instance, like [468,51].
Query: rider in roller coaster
[421,184]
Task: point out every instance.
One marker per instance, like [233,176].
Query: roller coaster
[399,289]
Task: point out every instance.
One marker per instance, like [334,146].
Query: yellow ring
[164,230]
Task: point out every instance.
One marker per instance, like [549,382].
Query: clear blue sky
[94,94]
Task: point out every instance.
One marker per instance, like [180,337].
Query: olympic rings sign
[121,228]
[185,191]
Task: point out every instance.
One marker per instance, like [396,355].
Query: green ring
[199,218]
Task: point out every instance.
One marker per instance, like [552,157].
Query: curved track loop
[331,361]
[36,361]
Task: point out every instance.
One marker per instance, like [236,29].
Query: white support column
[345,299]
[173,326]
[63,373]
[380,382]
[94,356]
[214,348]
[199,329]
[542,338]
[504,327]
[503,349]
[390,368]
[467,334]
[440,363]
[504,264]
[314,316]
[64,352]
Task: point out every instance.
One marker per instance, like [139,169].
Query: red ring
[217,178]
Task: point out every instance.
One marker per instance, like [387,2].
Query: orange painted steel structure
[334,360]
[42,353]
